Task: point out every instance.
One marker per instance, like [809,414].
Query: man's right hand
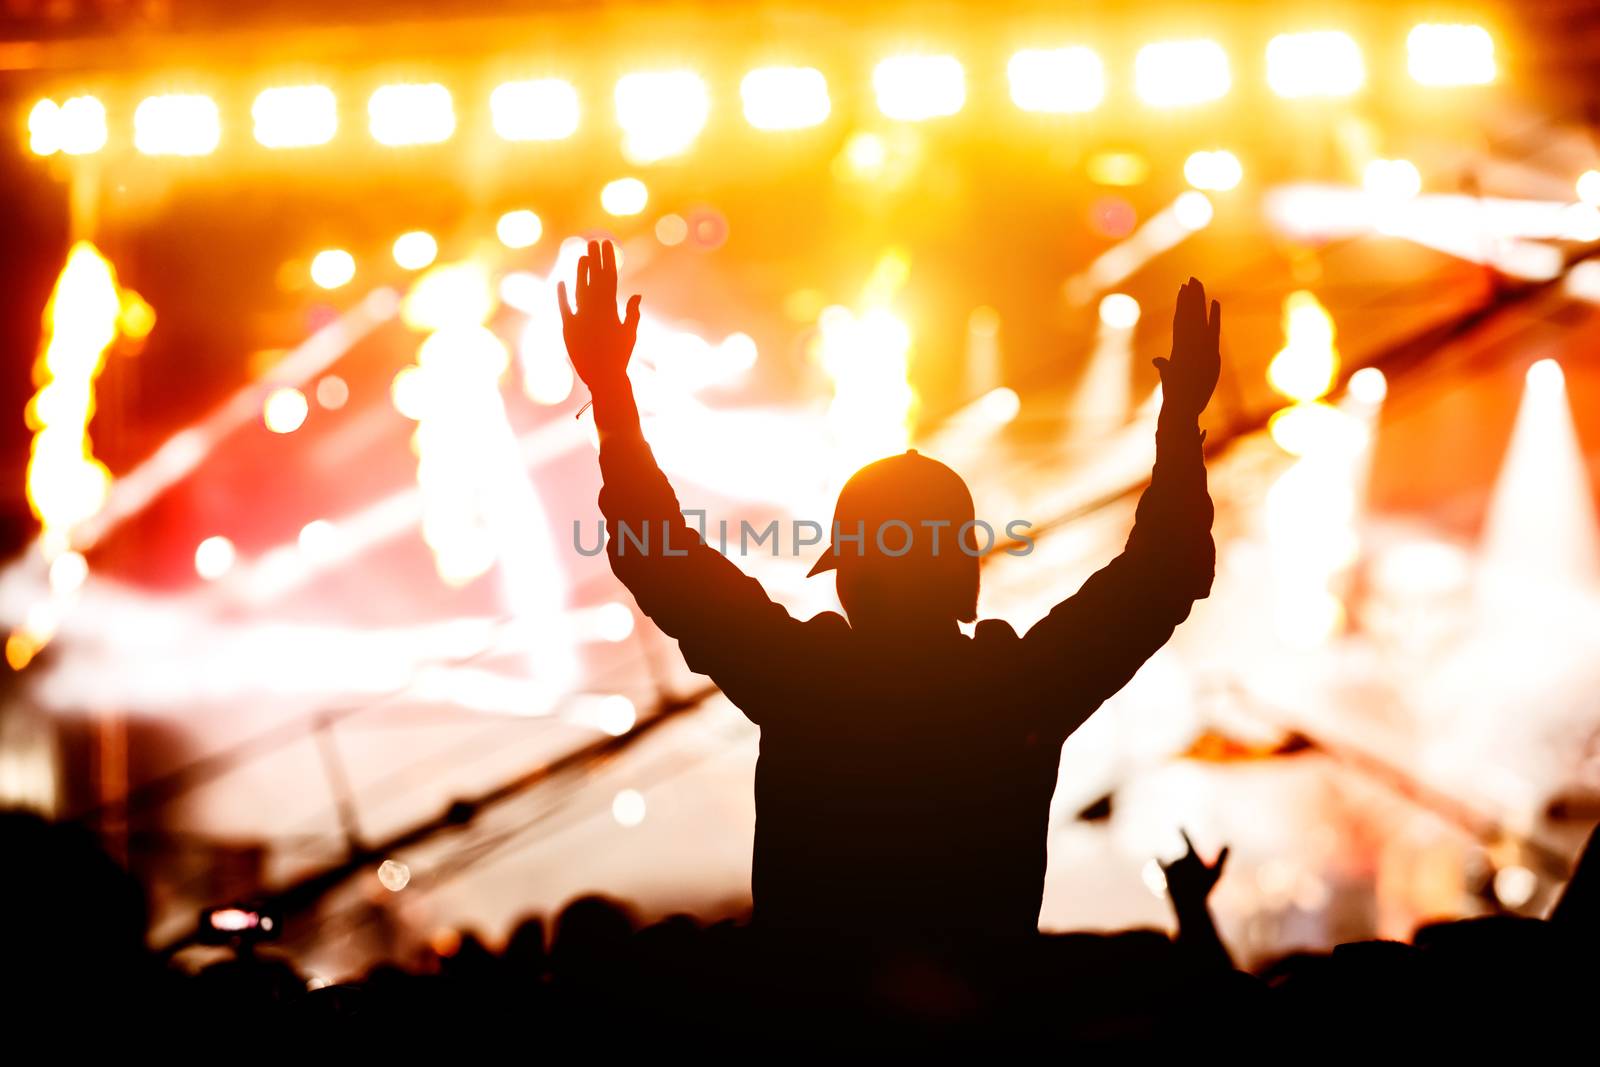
[1190,375]
[598,343]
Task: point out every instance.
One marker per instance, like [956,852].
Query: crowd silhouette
[902,791]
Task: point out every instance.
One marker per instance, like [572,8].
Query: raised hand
[1189,376]
[598,342]
[1189,879]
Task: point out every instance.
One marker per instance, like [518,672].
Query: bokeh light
[628,808]
[914,88]
[1119,311]
[519,229]
[1218,170]
[785,98]
[415,249]
[1056,80]
[177,124]
[332,268]
[542,109]
[214,557]
[661,113]
[625,196]
[295,116]
[285,410]
[1441,54]
[1179,73]
[411,114]
[1319,63]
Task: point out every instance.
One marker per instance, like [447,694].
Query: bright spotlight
[1193,210]
[661,113]
[295,116]
[1442,54]
[1218,171]
[544,109]
[1392,179]
[628,808]
[284,410]
[1119,311]
[213,558]
[625,196]
[1057,79]
[1589,187]
[332,268]
[785,98]
[913,88]
[76,127]
[415,249]
[1177,73]
[179,124]
[409,114]
[519,229]
[1369,386]
[1323,63]
[1546,378]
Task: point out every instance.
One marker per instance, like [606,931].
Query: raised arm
[724,622]
[1092,643]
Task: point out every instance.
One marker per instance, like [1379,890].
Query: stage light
[332,268]
[332,392]
[544,109]
[1514,886]
[625,196]
[1541,535]
[66,485]
[1056,80]
[284,410]
[613,622]
[614,715]
[68,572]
[411,114]
[1589,187]
[1321,63]
[393,875]
[415,250]
[785,98]
[1443,55]
[214,557]
[661,113]
[295,116]
[136,318]
[519,229]
[1368,386]
[628,808]
[866,358]
[914,88]
[1179,73]
[1305,368]
[1192,210]
[671,230]
[866,154]
[1117,168]
[1218,171]
[1313,426]
[1119,311]
[451,294]
[76,127]
[408,393]
[1392,179]
[178,124]
[546,371]
[319,539]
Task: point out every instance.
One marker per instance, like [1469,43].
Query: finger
[1187,843]
[567,313]
[1216,324]
[608,257]
[1161,363]
[1222,857]
[583,282]
[630,321]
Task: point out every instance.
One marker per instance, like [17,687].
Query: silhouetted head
[904,544]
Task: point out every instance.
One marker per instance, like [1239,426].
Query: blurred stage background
[293,603]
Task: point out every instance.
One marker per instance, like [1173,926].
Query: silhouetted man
[906,769]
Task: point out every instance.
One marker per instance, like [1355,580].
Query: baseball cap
[909,488]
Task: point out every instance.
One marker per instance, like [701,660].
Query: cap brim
[828,562]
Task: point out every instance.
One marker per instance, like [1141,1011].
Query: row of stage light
[662,112]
